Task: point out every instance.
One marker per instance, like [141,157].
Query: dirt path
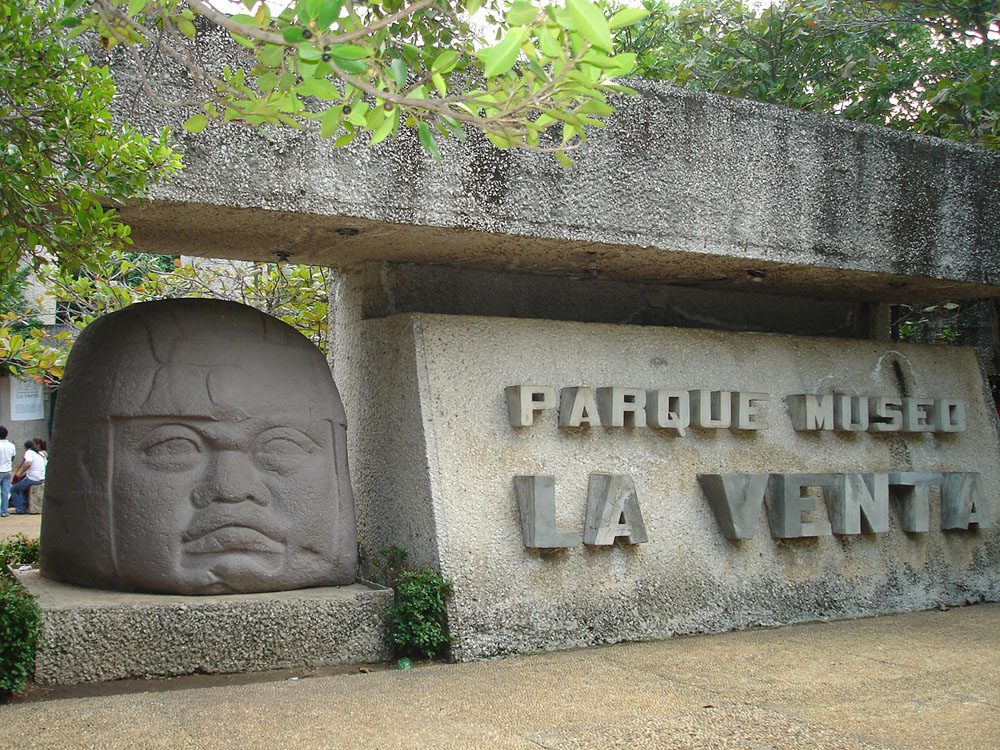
[27,525]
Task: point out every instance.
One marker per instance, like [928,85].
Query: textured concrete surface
[93,636]
[446,491]
[921,681]
[682,187]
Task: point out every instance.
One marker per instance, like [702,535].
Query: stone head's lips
[232,537]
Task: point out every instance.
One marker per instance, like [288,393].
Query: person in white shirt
[31,471]
[7,451]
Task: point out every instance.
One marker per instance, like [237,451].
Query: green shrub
[20,632]
[418,615]
[19,550]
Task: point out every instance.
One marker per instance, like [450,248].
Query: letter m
[811,412]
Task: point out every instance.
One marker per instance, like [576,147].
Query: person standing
[30,472]
[7,451]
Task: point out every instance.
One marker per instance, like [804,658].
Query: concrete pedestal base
[94,636]
[36,498]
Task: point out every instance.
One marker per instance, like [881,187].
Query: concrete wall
[455,480]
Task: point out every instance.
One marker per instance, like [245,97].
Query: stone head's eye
[280,453]
[282,447]
[172,447]
[172,453]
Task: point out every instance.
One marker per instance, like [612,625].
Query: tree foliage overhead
[295,294]
[928,66]
[345,67]
[61,157]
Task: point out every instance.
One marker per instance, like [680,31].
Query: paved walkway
[924,680]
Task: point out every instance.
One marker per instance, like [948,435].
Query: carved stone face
[223,442]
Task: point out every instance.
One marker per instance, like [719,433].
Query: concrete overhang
[681,188]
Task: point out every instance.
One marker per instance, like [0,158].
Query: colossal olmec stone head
[199,447]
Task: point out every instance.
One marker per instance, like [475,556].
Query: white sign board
[26,400]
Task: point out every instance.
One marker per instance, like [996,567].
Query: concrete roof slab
[682,187]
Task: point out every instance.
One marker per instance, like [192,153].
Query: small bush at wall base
[418,615]
[20,632]
[19,550]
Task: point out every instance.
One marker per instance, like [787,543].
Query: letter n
[860,502]
[613,511]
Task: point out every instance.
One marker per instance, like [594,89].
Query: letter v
[736,500]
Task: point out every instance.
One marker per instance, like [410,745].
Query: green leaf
[349,51]
[135,7]
[375,117]
[320,88]
[501,58]
[383,130]
[548,44]
[627,17]
[521,13]
[593,57]
[293,35]
[307,69]
[351,66]
[591,23]
[445,62]
[329,13]
[271,55]
[195,123]
[595,107]
[427,140]
[411,51]
[626,63]
[398,70]
[498,141]
[267,81]
[357,116]
[440,85]
[185,27]
[309,53]
[312,9]
[345,139]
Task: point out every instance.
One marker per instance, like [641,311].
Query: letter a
[962,502]
[613,511]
